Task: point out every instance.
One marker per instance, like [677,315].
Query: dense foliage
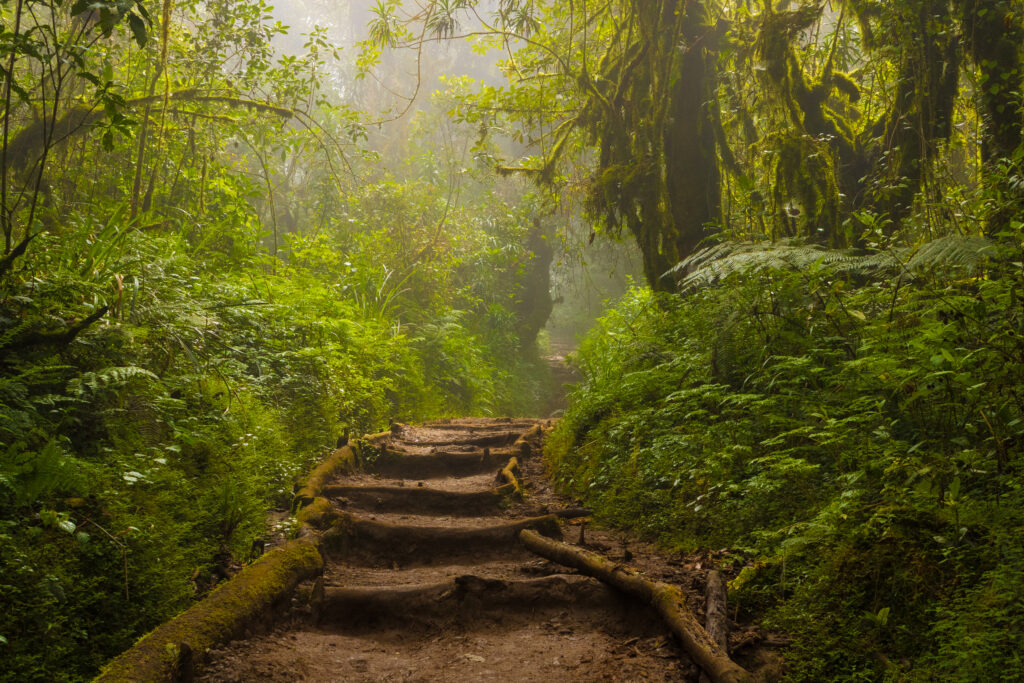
[213,266]
[209,277]
[851,439]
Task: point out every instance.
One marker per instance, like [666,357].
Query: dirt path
[431,584]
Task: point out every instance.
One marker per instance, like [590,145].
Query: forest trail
[431,584]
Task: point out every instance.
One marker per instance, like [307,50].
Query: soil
[434,588]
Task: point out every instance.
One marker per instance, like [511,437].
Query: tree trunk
[692,177]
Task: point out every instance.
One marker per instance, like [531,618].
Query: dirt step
[504,568]
[356,606]
[419,499]
[500,438]
[440,464]
[473,484]
[358,539]
[459,425]
[568,644]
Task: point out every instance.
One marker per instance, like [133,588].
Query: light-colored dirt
[494,613]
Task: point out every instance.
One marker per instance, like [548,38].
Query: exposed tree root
[510,474]
[668,600]
[525,444]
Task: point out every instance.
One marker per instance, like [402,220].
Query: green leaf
[954,488]
[138,27]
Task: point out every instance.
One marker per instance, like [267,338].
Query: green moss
[225,614]
[345,459]
[318,514]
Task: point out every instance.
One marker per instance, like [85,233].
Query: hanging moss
[875,166]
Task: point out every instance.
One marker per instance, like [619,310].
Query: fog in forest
[321,311]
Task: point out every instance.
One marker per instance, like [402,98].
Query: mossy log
[319,514]
[353,536]
[166,653]
[523,446]
[344,459]
[668,600]
[510,474]
[379,436]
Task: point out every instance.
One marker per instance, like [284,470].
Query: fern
[107,379]
[29,475]
[712,265]
[969,253]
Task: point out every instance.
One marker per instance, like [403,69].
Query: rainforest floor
[433,586]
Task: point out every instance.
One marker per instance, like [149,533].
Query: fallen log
[344,459]
[716,620]
[666,599]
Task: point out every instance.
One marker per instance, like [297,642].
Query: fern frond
[710,266]
[107,379]
[952,250]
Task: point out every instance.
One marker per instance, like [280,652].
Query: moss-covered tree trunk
[658,170]
[692,178]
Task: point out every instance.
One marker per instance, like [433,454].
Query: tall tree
[633,81]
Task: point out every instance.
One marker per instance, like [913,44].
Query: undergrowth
[855,447]
[139,460]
